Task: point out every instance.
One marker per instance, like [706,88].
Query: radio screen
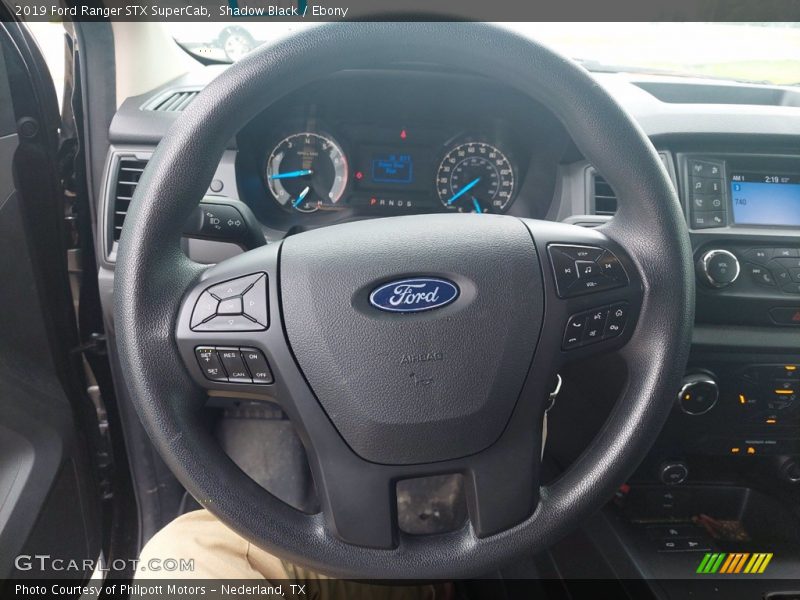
[765,199]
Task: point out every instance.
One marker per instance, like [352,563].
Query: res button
[234,365]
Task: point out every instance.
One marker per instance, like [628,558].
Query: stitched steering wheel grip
[365,424]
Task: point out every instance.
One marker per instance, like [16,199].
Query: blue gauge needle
[464,190]
[291,174]
[476,204]
[302,195]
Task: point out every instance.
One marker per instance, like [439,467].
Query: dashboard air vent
[128,173]
[604,200]
[174,102]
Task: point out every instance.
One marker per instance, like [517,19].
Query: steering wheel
[456,380]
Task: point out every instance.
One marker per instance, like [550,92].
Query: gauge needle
[464,190]
[476,204]
[302,195]
[291,174]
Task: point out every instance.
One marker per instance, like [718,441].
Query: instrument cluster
[362,144]
[400,169]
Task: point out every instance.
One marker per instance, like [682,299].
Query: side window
[50,37]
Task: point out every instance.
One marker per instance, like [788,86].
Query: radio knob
[673,472]
[719,268]
[699,393]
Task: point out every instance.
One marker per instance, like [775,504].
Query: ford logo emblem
[414,295]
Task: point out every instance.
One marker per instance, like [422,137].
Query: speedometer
[307,172]
[475,177]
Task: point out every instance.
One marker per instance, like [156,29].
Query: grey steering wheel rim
[153,274]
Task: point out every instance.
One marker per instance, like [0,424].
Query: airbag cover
[404,388]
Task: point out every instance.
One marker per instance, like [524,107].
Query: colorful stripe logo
[736,562]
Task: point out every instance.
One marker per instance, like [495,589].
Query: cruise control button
[255,302]
[258,366]
[573,335]
[615,323]
[209,362]
[205,308]
[234,287]
[234,365]
[231,306]
[230,323]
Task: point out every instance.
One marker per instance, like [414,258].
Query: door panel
[49,499]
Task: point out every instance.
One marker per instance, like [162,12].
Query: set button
[585,269]
[233,365]
[594,325]
[236,305]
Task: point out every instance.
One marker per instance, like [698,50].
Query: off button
[258,366]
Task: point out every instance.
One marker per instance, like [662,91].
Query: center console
[729,455]
[740,394]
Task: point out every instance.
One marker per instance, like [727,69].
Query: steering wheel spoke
[499,497]
[593,290]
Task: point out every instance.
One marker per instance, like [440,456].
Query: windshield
[754,52]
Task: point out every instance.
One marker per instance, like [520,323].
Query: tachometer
[475,177]
[307,171]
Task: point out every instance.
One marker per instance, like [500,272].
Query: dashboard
[414,140]
[358,144]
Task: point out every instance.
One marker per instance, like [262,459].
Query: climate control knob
[699,393]
[718,268]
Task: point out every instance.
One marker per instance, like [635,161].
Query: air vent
[604,198]
[128,173]
[173,102]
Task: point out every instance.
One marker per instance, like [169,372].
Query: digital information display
[766,199]
[393,168]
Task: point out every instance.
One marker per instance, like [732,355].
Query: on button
[258,365]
